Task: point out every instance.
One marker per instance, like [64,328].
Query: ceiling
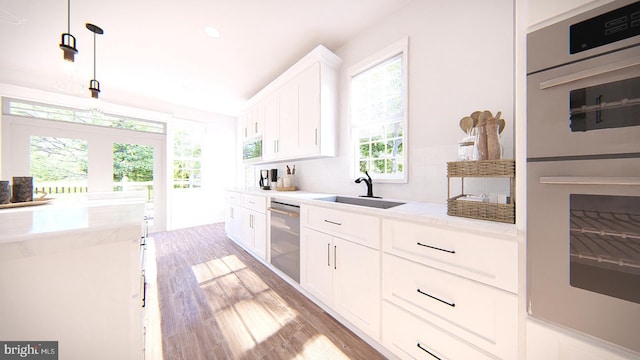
[155,54]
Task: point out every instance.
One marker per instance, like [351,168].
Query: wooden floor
[218,302]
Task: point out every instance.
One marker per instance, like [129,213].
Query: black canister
[5,192]
[22,189]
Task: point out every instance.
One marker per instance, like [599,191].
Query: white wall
[461,59]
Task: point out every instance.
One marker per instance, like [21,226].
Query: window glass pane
[378,116]
[59,166]
[133,168]
[52,112]
[187,143]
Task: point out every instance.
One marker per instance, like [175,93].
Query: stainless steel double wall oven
[583,173]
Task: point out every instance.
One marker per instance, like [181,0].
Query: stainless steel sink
[360,201]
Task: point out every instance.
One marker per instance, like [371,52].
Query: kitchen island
[71,272]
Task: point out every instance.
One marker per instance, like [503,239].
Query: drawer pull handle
[436,248]
[435,298]
[427,351]
[332,222]
[329,254]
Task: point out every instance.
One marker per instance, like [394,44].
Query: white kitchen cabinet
[299,109]
[461,284]
[246,221]
[491,259]
[316,272]
[81,286]
[360,228]
[309,111]
[480,314]
[410,337]
[286,143]
[233,215]
[271,127]
[548,342]
[252,120]
[254,232]
[346,279]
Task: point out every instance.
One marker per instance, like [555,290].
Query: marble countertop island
[63,226]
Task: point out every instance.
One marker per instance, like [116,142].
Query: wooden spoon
[466,124]
[501,125]
[475,116]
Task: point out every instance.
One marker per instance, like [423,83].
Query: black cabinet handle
[435,298]
[436,248]
[335,259]
[427,351]
[332,222]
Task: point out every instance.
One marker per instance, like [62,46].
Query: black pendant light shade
[94,85]
[68,41]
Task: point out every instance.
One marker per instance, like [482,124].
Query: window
[187,153]
[378,114]
[58,113]
[59,166]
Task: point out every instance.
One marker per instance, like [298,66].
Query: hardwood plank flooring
[217,302]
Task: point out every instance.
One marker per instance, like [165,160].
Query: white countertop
[416,211]
[55,227]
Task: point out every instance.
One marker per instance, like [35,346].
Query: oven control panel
[604,29]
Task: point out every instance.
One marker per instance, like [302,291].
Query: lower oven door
[583,246]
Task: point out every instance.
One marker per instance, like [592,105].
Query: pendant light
[68,41]
[94,85]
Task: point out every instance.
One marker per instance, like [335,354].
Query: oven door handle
[288,213]
[595,71]
[589,180]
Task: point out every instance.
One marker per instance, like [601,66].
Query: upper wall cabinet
[299,110]
[252,121]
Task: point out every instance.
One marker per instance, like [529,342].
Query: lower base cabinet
[409,337]
[343,275]
[546,342]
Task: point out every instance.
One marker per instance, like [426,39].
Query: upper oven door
[591,107]
[583,246]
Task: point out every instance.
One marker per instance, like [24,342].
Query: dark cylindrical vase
[22,189]
[5,192]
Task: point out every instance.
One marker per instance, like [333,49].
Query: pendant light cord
[94,55]
[69,16]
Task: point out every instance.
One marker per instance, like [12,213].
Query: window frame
[399,47]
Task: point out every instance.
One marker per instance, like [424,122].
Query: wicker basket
[482,168]
[482,210]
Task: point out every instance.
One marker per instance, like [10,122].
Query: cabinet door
[309,111]
[233,222]
[257,119]
[247,229]
[287,144]
[357,285]
[316,265]
[260,235]
[243,120]
[270,137]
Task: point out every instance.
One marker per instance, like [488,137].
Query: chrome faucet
[369,183]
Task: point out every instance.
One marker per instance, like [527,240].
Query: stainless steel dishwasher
[285,237]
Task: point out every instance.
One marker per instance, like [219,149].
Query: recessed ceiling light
[212,32]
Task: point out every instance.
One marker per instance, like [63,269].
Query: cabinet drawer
[412,338]
[359,228]
[483,315]
[233,197]
[255,202]
[487,259]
